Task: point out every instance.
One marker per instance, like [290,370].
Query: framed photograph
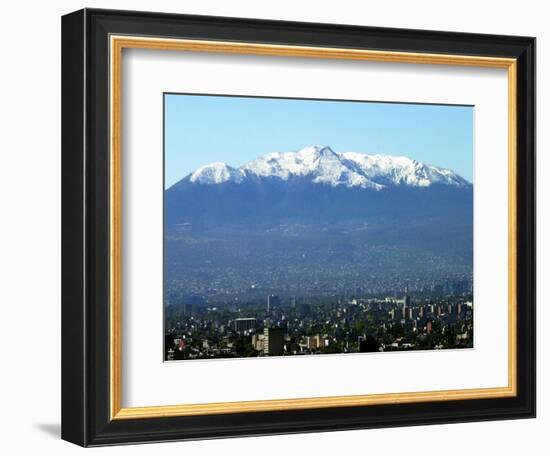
[279,227]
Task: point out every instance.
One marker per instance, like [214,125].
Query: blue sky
[203,129]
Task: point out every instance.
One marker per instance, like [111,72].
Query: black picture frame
[85,228]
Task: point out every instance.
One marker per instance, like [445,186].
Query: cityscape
[435,317]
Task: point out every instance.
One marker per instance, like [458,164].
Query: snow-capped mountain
[322,165]
[313,218]
[317,215]
[317,185]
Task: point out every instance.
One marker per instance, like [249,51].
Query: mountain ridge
[317,217]
[322,165]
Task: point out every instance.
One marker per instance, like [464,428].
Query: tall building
[405,306]
[272,302]
[273,341]
[242,325]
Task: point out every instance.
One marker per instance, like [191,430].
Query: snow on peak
[323,165]
[216,173]
[287,164]
[398,170]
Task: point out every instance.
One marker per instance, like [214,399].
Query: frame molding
[117,45]
[93,42]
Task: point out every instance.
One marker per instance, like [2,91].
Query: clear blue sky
[234,130]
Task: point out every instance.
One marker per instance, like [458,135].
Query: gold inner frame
[117,44]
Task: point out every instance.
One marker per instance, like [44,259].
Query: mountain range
[313,185]
[321,165]
[315,221]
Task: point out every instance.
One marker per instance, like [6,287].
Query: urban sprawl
[438,318]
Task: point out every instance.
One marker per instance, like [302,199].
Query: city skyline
[291,327]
